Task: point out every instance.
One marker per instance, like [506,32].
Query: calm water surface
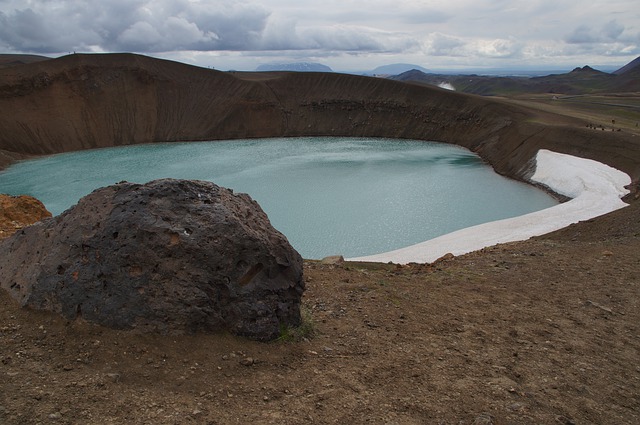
[327,195]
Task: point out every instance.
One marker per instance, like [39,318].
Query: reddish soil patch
[17,212]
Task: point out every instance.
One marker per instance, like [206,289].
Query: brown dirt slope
[7,60]
[89,101]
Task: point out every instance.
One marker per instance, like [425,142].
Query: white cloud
[438,44]
[173,34]
[139,36]
[498,48]
[280,33]
[446,45]
[430,32]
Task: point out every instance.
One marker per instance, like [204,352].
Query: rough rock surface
[17,212]
[171,256]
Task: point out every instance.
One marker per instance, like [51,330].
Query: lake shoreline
[352,196]
[594,189]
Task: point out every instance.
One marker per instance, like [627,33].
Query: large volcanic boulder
[171,256]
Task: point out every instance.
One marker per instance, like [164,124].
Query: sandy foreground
[594,188]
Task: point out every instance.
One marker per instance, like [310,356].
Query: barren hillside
[88,101]
[544,331]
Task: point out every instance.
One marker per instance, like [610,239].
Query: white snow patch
[446,85]
[595,189]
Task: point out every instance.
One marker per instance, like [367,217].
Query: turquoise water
[327,195]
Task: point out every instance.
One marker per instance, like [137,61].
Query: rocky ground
[539,332]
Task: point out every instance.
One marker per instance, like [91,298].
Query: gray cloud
[339,38]
[58,26]
[582,34]
[391,13]
[284,34]
[444,45]
[138,25]
[165,25]
[424,16]
[429,32]
[610,32]
[29,31]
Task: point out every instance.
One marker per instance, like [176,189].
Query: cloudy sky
[347,35]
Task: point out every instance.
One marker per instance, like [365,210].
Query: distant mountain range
[397,68]
[7,60]
[579,81]
[296,66]
[385,70]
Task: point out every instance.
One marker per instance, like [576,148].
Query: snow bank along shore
[595,189]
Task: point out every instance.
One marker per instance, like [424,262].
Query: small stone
[113,377]
[446,257]
[516,406]
[607,253]
[483,419]
[67,368]
[55,416]
[247,361]
[565,421]
[332,260]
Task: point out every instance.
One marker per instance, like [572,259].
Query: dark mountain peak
[397,69]
[409,75]
[297,67]
[585,69]
[633,65]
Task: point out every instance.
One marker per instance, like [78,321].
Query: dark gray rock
[170,256]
